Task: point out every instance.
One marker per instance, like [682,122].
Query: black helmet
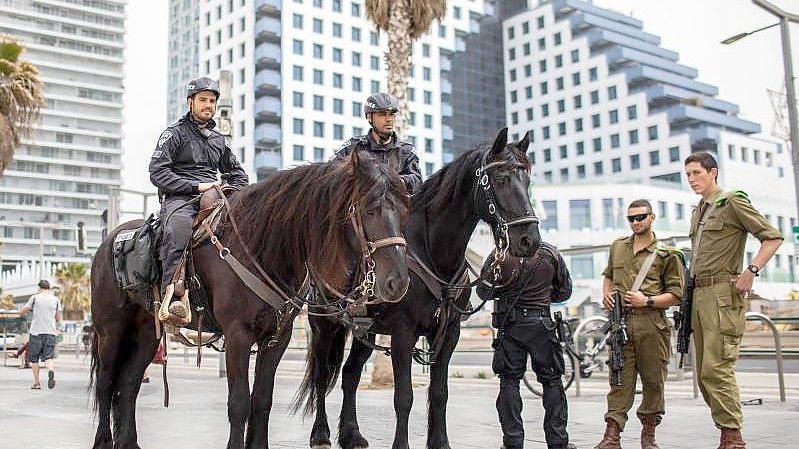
[380,102]
[201,84]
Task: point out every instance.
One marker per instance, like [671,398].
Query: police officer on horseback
[382,142]
[187,158]
[526,329]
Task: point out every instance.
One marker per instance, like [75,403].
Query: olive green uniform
[718,314]
[649,347]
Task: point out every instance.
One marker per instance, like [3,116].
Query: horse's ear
[500,142]
[524,143]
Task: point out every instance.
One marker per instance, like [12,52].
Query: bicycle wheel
[568,376]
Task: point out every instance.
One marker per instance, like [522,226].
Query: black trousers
[177,233]
[532,334]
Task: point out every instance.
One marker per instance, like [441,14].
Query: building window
[559,61]
[318,129]
[580,148]
[318,103]
[564,175]
[356,59]
[338,106]
[514,96]
[598,168]
[632,112]
[297,21]
[298,126]
[614,116]
[317,26]
[526,49]
[756,156]
[633,134]
[654,158]
[545,132]
[542,44]
[338,132]
[612,93]
[544,88]
[428,145]
[578,101]
[615,141]
[542,66]
[595,122]
[663,210]
[562,128]
[635,162]
[547,155]
[540,22]
[557,39]
[550,223]
[561,105]
[576,78]
[582,266]
[744,154]
[299,152]
[374,62]
[592,74]
[564,153]
[337,30]
[511,32]
[578,124]
[580,214]
[355,34]
[528,70]
[318,51]
[594,96]
[597,144]
[428,168]
[652,132]
[356,10]
[608,217]
[356,108]
[512,54]
[375,86]
[731,151]
[356,84]
[559,83]
[616,164]
[428,121]
[513,75]
[374,39]
[575,55]
[297,46]
[529,112]
[674,154]
[318,154]
[297,99]
[679,211]
[514,118]
[337,55]
[297,73]
[427,74]
[318,78]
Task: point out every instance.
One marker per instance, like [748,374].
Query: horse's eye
[372,211]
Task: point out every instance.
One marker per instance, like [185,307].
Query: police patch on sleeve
[164,138]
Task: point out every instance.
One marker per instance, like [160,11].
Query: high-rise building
[302,71]
[63,173]
[184,54]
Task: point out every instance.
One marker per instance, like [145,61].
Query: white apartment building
[303,69]
[63,173]
[184,54]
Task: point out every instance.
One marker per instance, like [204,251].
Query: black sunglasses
[639,217]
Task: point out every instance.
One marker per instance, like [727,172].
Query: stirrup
[174,314]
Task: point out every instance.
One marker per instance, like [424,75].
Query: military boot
[731,439]
[648,432]
[612,438]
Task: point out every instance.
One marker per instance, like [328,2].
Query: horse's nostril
[525,242]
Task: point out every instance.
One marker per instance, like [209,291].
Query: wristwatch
[754,269]
[650,303]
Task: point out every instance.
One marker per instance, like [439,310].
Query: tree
[75,296]
[20,98]
[404,21]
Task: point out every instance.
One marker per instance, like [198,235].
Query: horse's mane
[457,177]
[300,215]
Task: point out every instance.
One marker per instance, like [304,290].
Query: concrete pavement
[197,417]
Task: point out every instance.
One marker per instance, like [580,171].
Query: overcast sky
[742,71]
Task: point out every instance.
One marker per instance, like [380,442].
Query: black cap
[201,84]
[44,284]
[380,102]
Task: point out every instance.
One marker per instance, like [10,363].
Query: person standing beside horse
[382,142]
[185,163]
[650,278]
[44,329]
[525,328]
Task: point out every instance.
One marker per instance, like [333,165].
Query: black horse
[294,222]
[489,183]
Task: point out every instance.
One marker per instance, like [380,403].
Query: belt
[708,281]
[644,311]
[533,312]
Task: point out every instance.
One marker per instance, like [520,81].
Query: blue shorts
[42,347]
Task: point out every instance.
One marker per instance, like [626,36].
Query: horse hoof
[321,446]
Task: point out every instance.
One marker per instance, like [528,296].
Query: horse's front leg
[402,343]
[263,389]
[237,356]
[349,435]
[438,391]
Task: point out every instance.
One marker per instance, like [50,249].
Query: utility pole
[224,124]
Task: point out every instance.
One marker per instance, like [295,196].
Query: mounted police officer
[185,163]
[526,329]
[382,142]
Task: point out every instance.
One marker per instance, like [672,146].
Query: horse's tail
[322,367]
[94,371]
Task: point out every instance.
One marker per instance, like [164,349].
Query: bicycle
[594,338]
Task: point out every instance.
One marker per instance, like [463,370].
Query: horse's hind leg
[140,351]
[263,389]
[237,356]
[349,435]
[108,340]
[438,391]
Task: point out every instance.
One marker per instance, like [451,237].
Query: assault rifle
[617,338]
[682,319]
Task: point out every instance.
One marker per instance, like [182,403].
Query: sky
[742,71]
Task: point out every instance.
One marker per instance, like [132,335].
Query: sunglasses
[639,217]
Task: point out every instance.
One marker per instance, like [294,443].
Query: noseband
[367,249]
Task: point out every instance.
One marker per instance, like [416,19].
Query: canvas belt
[708,281]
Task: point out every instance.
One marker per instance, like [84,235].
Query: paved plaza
[197,418]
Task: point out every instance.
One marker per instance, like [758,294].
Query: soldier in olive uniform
[649,347]
[719,227]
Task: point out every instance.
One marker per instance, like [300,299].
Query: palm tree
[74,281]
[20,97]
[405,21]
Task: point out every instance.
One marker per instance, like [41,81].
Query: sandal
[36,387]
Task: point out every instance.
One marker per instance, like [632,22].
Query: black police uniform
[526,328]
[397,154]
[185,156]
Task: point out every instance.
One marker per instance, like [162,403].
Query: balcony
[704,138]
[446,110]
[446,87]
[267,29]
[645,76]
[564,8]
[623,56]
[267,109]
[267,82]
[684,116]
[663,95]
[267,56]
[599,39]
[268,161]
[446,133]
[269,8]
[583,22]
[267,134]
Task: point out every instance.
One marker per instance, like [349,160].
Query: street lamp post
[785,19]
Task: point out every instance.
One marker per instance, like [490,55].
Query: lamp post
[785,19]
